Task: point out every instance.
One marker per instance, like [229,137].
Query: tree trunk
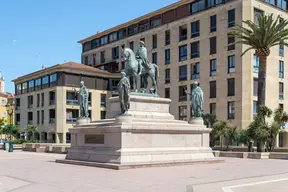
[261,92]
[260,146]
[262,80]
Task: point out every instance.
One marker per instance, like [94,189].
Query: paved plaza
[26,171]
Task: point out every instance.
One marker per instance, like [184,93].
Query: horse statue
[132,69]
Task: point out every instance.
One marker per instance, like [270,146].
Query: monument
[139,131]
[82,95]
[196,98]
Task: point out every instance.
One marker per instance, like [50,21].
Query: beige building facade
[46,99]
[188,40]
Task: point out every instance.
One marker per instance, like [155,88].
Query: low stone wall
[57,148]
[15,146]
[251,155]
[34,147]
[245,149]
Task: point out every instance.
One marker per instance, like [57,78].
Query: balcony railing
[72,102]
[52,102]
[182,37]
[103,104]
[52,120]
[167,42]
[167,81]
[30,106]
[231,116]
[281,96]
[71,120]
[183,98]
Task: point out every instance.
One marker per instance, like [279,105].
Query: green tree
[279,117]
[220,130]
[31,129]
[259,129]
[261,37]
[209,120]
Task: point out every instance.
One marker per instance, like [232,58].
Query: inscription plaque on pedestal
[94,139]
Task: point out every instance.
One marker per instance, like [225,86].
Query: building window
[231,18]
[30,102]
[182,32]
[281,69]
[38,100]
[281,106]
[142,39]
[231,87]
[213,89]
[167,56]
[42,100]
[132,30]
[213,67]
[17,119]
[38,117]
[71,115]
[183,53]
[102,57]
[103,114]
[255,87]
[123,65]
[183,73]
[254,109]
[31,85]
[195,71]
[167,92]
[167,37]
[155,22]
[167,76]
[154,41]
[95,43]
[256,64]
[197,6]
[257,12]
[38,84]
[115,53]
[42,117]
[195,50]
[231,64]
[231,39]
[213,109]
[183,113]
[113,36]
[45,82]
[213,45]
[281,90]
[18,89]
[154,57]
[131,45]
[144,26]
[104,40]
[182,94]
[30,118]
[213,23]
[103,100]
[24,87]
[195,29]
[86,60]
[231,110]
[281,48]
[52,116]
[94,59]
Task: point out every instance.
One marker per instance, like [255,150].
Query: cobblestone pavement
[29,172]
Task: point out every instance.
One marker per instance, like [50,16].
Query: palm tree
[221,130]
[259,129]
[267,34]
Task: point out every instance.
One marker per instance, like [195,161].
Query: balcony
[30,106]
[71,120]
[167,80]
[281,96]
[72,102]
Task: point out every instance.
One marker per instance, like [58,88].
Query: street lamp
[10,110]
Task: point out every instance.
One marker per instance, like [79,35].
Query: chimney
[43,67]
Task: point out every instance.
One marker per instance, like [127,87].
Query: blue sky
[45,32]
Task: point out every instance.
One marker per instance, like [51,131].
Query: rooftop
[134,21]
[71,67]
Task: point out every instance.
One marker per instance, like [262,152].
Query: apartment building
[189,42]
[46,99]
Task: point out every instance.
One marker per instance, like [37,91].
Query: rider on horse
[141,56]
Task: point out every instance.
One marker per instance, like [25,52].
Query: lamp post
[10,110]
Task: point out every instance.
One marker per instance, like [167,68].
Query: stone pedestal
[82,121]
[147,135]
